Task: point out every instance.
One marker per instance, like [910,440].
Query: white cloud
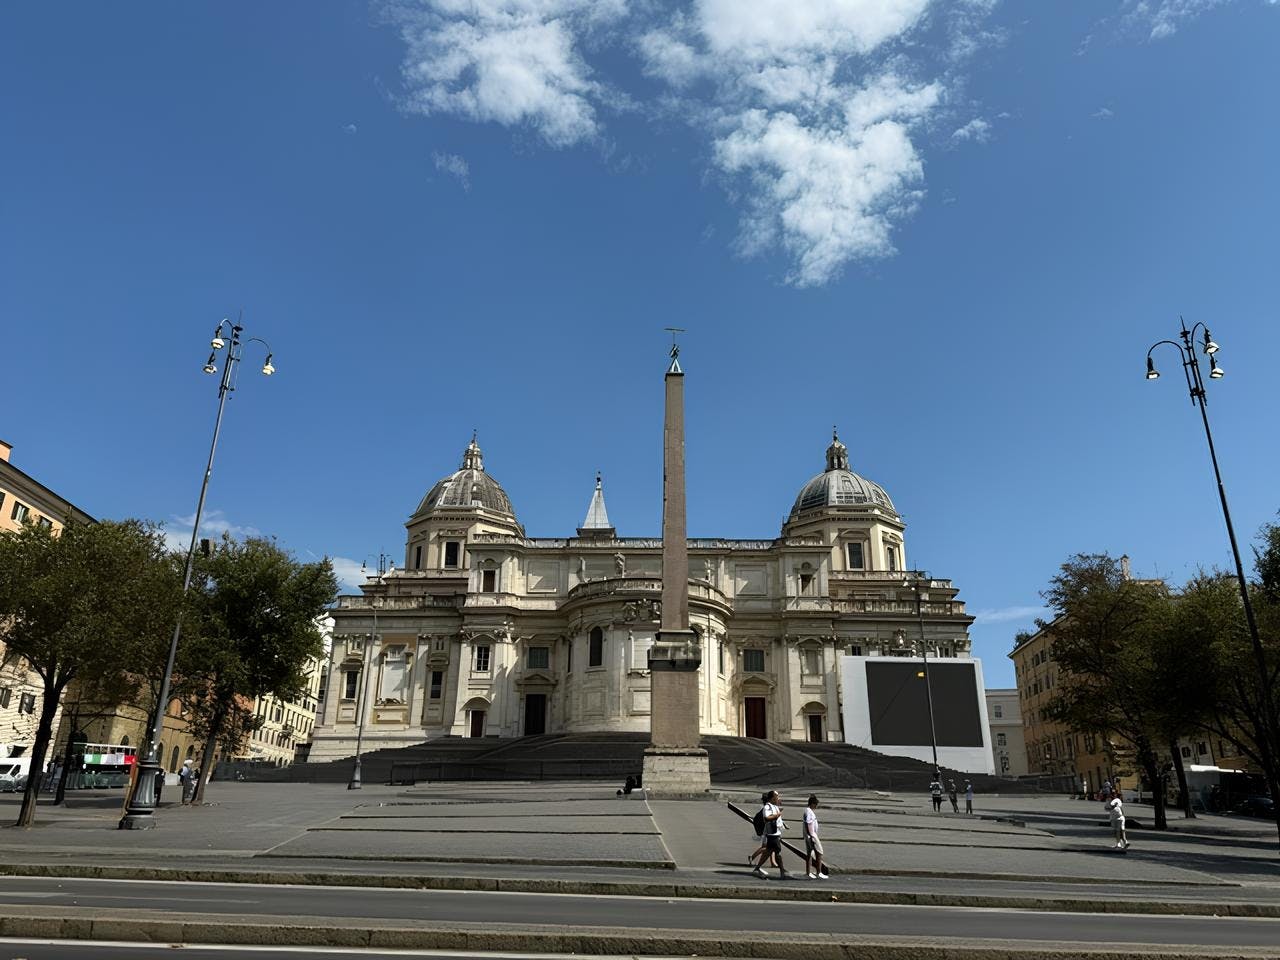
[1025,614]
[350,129]
[976,129]
[1102,113]
[350,573]
[813,108]
[513,62]
[455,166]
[212,526]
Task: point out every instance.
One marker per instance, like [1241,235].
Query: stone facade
[23,499]
[488,632]
[1004,716]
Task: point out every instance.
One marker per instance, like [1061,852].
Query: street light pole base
[138,821]
[355,777]
[139,813]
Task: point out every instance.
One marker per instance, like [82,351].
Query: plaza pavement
[582,834]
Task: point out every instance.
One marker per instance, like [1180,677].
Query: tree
[249,630]
[83,602]
[1121,666]
[1211,614]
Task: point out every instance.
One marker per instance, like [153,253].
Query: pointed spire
[597,515]
[472,458]
[837,453]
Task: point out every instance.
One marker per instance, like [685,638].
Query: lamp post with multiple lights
[140,809]
[916,585]
[384,564]
[1195,386]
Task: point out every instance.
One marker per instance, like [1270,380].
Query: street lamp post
[915,585]
[139,813]
[1195,386]
[355,784]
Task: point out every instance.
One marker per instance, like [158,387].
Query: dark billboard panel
[899,706]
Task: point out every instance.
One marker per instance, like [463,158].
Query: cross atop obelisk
[674,764]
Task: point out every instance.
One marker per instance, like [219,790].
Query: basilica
[484,631]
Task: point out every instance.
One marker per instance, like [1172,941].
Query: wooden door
[815,728]
[477,723]
[535,714]
[756,725]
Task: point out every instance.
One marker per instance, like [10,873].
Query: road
[555,912]
[91,950]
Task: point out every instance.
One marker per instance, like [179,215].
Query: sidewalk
[582,838]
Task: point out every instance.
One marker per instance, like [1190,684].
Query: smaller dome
[838,486]
[470,486]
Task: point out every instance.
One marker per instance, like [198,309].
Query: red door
[755,711]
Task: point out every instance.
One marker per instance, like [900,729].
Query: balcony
[930,608]
[395,603]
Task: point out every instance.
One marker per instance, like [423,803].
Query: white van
[13,772]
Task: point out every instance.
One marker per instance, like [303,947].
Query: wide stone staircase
[614,756]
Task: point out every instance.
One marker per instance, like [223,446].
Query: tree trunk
[1150,766]
[61,795]
[1183,793]
[210,750]
[44,732]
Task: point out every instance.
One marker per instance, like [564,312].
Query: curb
[585,940]
[659,889]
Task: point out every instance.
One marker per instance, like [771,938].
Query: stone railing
[931,608]
[395,603]
[510,600]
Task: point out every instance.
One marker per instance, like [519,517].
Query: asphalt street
[92,950]
[558,911]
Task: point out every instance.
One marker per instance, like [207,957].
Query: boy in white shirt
[812,845]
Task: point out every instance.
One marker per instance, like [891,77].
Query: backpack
[758,822]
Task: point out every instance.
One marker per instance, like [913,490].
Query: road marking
[340,951]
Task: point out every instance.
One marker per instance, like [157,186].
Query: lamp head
[1215,371]
[210,366]
[1152,372]
[267,368]
[1209,346]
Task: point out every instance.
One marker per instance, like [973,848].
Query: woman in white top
[1115,807]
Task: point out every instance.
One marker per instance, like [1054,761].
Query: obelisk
[674,764]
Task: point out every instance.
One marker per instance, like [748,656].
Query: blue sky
[953,229]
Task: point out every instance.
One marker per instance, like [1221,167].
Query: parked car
[1256,807]
[13,784]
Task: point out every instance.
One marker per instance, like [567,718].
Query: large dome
[838,486]
[469,487]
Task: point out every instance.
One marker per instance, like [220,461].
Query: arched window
[595,653]
[124,741]
[191,752]
[173,760]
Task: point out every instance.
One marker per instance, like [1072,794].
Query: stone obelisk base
[674,772]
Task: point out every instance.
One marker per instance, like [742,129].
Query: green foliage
[91,603]
[248,632]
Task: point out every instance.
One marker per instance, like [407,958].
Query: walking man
[813,866]
[951,795]
[935,794]
[187,777]
[968,797]
[1115,807]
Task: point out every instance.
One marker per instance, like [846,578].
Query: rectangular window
[44,523]
[855,651]
[437,684]
[1002,740]
[811,662]
[482,659]
[806,584]
[999,711]
[417,557]
[1201,747]
[892,553]
[539,658]
[595,648]
[5,694]
[27,703]
[854,551]
[720,657]
[394,683]
[753,661]
[452,553]
[568,657]
[488,581]
[1,498]
[350,684]
[20,511]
